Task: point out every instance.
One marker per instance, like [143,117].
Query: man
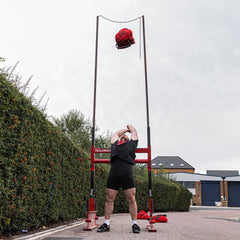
[121,175]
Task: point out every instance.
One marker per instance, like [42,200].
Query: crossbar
[108,161]
[108,150]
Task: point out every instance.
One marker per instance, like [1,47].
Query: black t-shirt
[124,151]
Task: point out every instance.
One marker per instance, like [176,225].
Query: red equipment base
[91,221]
[92,216]
[150,227]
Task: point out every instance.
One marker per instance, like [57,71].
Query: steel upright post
[92,217]
[150,227]
[94,111]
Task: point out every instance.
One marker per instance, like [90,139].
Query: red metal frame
[91,219]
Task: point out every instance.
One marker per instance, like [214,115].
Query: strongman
[121,175]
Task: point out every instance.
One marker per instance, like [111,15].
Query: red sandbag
[142,215]
[160,218]
[157,218]
[124,38]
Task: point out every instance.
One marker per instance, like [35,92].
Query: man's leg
[130,195]
[111,195]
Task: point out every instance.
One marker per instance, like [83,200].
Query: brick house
[169,164]
[209,190]
[215,187]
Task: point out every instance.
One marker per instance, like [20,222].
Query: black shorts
[121,175]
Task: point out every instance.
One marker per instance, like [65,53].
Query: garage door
[210,192]
[234,194]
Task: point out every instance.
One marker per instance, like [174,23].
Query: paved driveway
[201,223]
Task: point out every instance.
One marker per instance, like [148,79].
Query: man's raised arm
[118,134]
[133,131]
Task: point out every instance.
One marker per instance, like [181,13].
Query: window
[180,182]
[189,184]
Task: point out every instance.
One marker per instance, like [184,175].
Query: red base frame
[91,221]
[150,228]
[92,216]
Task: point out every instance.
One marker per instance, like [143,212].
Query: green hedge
[45,177]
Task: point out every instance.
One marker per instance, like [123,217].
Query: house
[171,164]
[216,187]
[209,190]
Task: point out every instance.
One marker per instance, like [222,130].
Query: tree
[78,129]
[103,141]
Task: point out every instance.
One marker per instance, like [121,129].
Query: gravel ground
[200,223]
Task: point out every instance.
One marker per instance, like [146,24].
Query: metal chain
[132,20]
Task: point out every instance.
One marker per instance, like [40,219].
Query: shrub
[167,195]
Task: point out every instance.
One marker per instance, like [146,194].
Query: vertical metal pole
[94,111]
[146,80]
[148,125]
[95,83]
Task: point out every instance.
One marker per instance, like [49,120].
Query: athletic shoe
[104,228]
[135,228]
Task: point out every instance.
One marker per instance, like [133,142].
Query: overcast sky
[193,61]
